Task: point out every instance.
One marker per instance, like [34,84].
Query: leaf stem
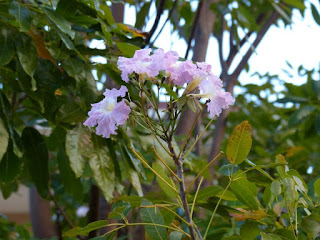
[195,196]
[215,209]
[199,174]
[147,165]
[173,173]
[197,139]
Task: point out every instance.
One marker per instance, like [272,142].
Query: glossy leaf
[249,230]
[4,139]
[87,229]
[150,215]
[27,54]
[315,14]
[135,181]
[316,186]
[68,178]
[269,236]
[10,165]
[22,15]
[159,169]
[317,123]
[103,172]
[245,191]
[175,235]
[239,143]
[7,50]
[35,153]
[127,49]
[300,115]
[59,21]
[275,188]
[73,150]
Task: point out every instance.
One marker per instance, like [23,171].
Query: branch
[256,42]
[169,16]
[223,64]
[194,27]
[156,21]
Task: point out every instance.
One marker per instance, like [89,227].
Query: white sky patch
[298,44]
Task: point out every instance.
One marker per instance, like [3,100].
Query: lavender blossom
[108,114]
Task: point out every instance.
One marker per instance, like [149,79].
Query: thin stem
[184,199]
[199,174]
[173,173]
[197,139]
[154,134]
[195,196]
[170,210]
[189,134]
[215,209]
[144,224]
[147,165]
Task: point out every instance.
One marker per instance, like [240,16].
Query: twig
[195,196]
[199,174]
[157,174]
[61,210]
[173,173]
[156,21]
[169,16]
[194,27]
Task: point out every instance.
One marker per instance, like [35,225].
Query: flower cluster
[108,114]
[180,73]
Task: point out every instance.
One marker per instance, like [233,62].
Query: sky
[298,44]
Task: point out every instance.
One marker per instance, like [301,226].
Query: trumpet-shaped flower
[108,114]
[211,87]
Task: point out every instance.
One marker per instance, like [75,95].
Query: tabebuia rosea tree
[157,88]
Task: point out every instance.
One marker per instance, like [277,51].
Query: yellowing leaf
[239,143]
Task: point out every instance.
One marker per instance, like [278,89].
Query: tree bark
[202,35]
[41,217]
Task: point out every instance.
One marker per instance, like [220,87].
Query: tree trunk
[41,217]
[202,35]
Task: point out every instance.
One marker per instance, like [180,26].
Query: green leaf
[300,115]
[290,191]
[245,191]
[7,50]
[127,49]
[316,186]
[107,14]
[315,14]
[27,54]
[36,156]
[103,172]
[22,15]
[68,178]
[249,230]
[228,169]
[207,192]
[175,235]
[59,21]
[239,143]
[150,215]
[299,180]
[275,188]
[295,3]
[4,139]
[269,236]
[87,229]
[159,169]
[141,15]
[73,150]
[10,165]
[135,181]
[317,123]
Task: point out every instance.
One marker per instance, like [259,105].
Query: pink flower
[108,114]
[137,64]
[211,87]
